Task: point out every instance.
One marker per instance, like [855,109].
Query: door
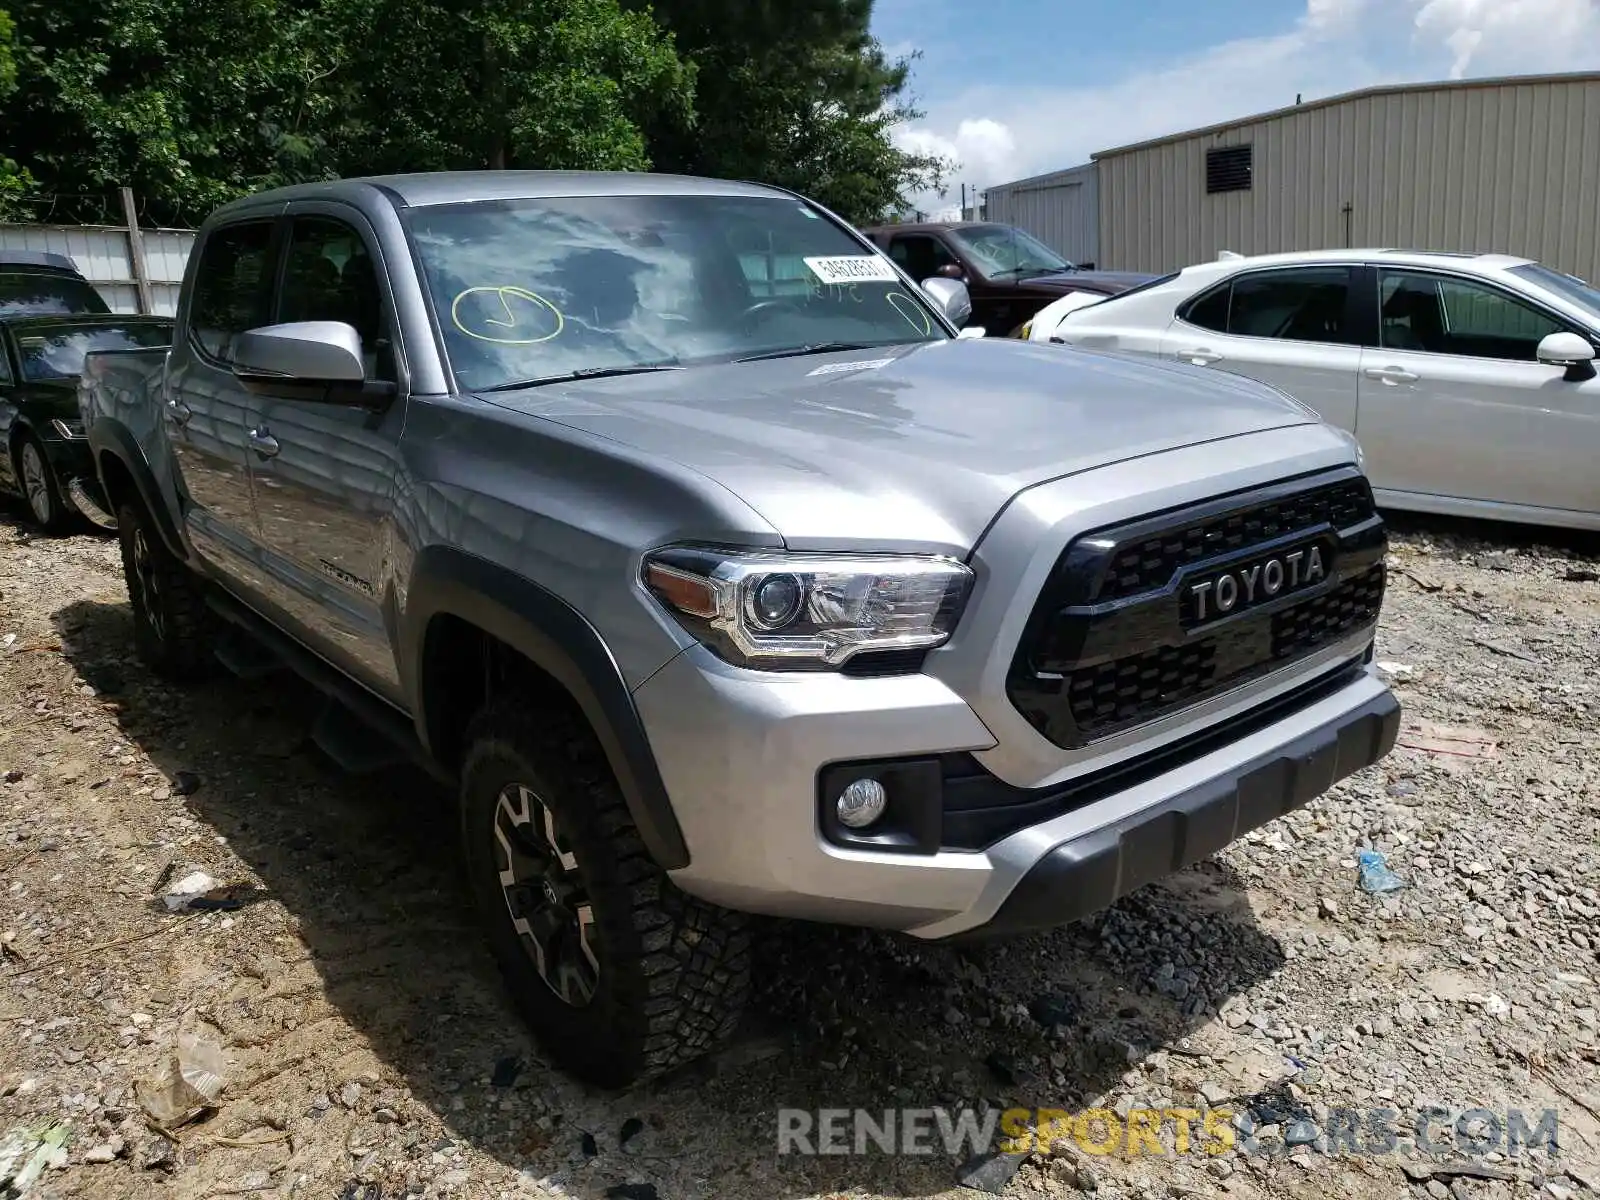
[324,460]
[1455,403]
[208,409]
[1292,327]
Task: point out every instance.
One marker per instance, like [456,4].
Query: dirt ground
[371,1051]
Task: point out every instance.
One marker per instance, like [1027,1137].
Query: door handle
[1391,375]
[263,443]
[1201,357]
[179,411]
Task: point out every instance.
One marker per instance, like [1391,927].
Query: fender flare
[114,438]
[556,638]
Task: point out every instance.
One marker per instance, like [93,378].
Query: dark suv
[39,283]
[1009,274]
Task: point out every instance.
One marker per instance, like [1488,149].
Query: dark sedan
[1009,274]
[47,460]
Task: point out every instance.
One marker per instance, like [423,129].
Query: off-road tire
[171,626]
[58,518]
[673,971]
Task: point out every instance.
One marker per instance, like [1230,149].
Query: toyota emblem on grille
[1253,583]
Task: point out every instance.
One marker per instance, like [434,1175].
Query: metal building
[1507,165]
[104,253]
[1061,209]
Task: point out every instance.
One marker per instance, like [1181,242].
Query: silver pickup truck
[686,537]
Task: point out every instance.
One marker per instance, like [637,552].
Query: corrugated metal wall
[102,254]
[1061,209]
[1510,167]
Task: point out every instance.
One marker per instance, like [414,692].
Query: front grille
[1114,641]
[1328,617]
[1141,685]
[1151,562]
[1145,686]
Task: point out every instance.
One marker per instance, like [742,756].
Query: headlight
[808,612]
[68,429]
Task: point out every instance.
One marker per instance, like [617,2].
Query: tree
[507,83]
[795,93]
[194,104]
[187,103]
[14,180]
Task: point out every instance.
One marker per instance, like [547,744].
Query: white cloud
[1490,36]
[984,149]
[1002,132]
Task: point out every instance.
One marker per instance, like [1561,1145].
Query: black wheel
[40,486]
[622,976]
[170,629]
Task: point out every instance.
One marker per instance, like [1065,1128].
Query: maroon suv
[1010,275]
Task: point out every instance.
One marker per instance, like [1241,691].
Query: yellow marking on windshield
[509,323]
[914,315]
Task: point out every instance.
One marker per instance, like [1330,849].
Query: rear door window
[1210,311]
[1306,304]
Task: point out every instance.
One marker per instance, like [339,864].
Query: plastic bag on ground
[186,1083]
[1374,875]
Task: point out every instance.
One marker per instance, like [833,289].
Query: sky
[1021,87]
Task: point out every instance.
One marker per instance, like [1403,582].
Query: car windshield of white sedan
[1575,290]
[57,351]
[534,291]
[1004,252]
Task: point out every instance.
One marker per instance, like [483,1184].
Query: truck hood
[1109,282]
[907,445]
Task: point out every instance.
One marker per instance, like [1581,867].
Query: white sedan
[1468,379]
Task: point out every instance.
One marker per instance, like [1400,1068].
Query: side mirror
[1571,351]
[950,297]
[972,331]
[316,352]
[951,271]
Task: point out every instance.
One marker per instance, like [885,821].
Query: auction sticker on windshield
[853,268]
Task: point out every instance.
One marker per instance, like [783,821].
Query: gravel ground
[370,1051]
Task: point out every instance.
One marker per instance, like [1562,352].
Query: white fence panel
[101,252]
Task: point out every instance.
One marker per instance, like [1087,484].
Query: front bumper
[741,753]
[1093,868]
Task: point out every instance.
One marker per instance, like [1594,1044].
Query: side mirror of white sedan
[1571,351]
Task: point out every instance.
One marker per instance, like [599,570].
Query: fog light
[862,803]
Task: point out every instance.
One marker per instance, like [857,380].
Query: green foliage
[505,83]
[14,180]
[193,104]
[795,93]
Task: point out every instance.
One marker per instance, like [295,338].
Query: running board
[358,731]
[356,746]
[245,657]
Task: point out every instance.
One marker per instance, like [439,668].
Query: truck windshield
[42,293]
[531,290]
[57,351]
[1004,250]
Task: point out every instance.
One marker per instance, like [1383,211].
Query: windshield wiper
[517,385]
[1019,272]
[814,348]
